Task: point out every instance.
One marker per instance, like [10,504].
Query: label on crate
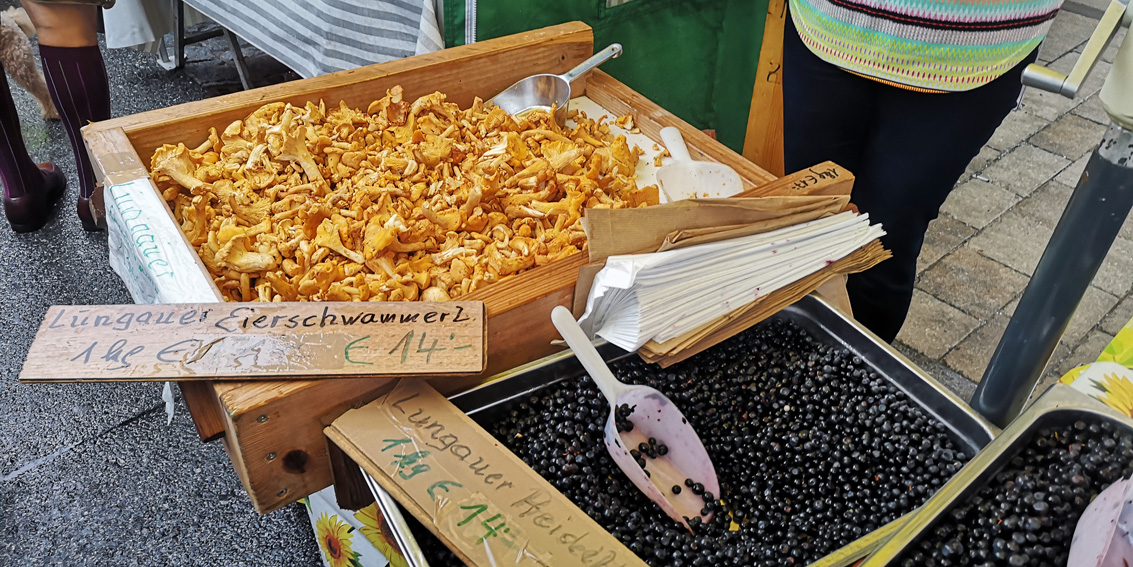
[487,506]
[147,249]
[248,341]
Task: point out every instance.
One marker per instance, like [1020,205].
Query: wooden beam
[763,144]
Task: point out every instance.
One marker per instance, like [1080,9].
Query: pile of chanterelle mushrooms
[405,201]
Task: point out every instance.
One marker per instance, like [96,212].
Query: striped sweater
[928,45]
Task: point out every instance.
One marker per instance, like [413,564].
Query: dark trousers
[906,149]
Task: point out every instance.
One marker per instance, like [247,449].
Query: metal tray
[1060,405]
[967,429]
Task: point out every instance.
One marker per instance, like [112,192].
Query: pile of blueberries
[812,449]
[1026,514]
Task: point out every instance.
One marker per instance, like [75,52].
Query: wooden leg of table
[349,487]
[763,144]
[834,291]
[204,407]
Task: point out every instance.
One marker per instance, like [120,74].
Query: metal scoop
[685,178]
[542,92]
[653,416]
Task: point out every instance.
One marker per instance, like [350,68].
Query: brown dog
[18,58]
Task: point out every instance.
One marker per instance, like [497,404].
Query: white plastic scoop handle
[686,178]
[585,352]
[675,143]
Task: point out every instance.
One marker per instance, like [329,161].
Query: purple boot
[30,190]
[76,78]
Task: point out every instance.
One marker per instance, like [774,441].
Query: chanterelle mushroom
[328,237]
[174,162]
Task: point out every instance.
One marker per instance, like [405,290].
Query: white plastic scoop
[653,416]
[1104,534]
[541,92]
[684,178]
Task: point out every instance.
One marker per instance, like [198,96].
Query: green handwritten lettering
[352,346]
[442,485]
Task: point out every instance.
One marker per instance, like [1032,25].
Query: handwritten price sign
[249,341]
[489,507]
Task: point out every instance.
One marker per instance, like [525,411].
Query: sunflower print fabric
[1110,379]
[351,539]
[334,539]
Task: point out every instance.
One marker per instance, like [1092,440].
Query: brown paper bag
[610,232]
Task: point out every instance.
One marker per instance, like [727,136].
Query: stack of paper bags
[702,271]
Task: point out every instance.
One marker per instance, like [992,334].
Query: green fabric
[695,58]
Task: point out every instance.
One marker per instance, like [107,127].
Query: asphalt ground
[90,474]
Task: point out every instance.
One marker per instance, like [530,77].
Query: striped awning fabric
[315,37]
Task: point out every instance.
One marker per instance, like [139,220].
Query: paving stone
[1048,105]
[1047,382]
[1095,304]
[1093,307]
[1098,6]
[1127,228]
[971,356]
[1051,372]
[1069,176]
[1009,309]
[1025,169]
[1068,31]
[1111,51]
[1015,129]
[1116,272]
[1015,240]
[943,236]
[1119,316]
[1092,109]
[977,202]
[971,282]
[1094,81]
[933,327]
[947,377]
[987,155]
[1047,203]
[1086,352]
[1070,136]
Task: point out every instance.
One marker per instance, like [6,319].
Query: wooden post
[763,144]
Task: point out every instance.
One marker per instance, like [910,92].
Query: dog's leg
[20,65]
[37,87]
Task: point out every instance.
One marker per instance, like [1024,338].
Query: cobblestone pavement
[980,253]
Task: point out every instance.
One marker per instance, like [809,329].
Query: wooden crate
[273,430]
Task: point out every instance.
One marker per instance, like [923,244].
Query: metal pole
[1097,209]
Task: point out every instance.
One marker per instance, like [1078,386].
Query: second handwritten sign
[249,341]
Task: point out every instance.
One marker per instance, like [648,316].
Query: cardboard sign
[487,506]
[90,343]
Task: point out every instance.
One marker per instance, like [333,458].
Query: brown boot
[30,211]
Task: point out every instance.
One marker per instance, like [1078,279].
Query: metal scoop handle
[613,51]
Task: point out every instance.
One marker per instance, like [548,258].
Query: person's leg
[76,77]
[919,148]
[29,190]
[825,109]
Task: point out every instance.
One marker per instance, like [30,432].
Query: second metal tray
[1060,405]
